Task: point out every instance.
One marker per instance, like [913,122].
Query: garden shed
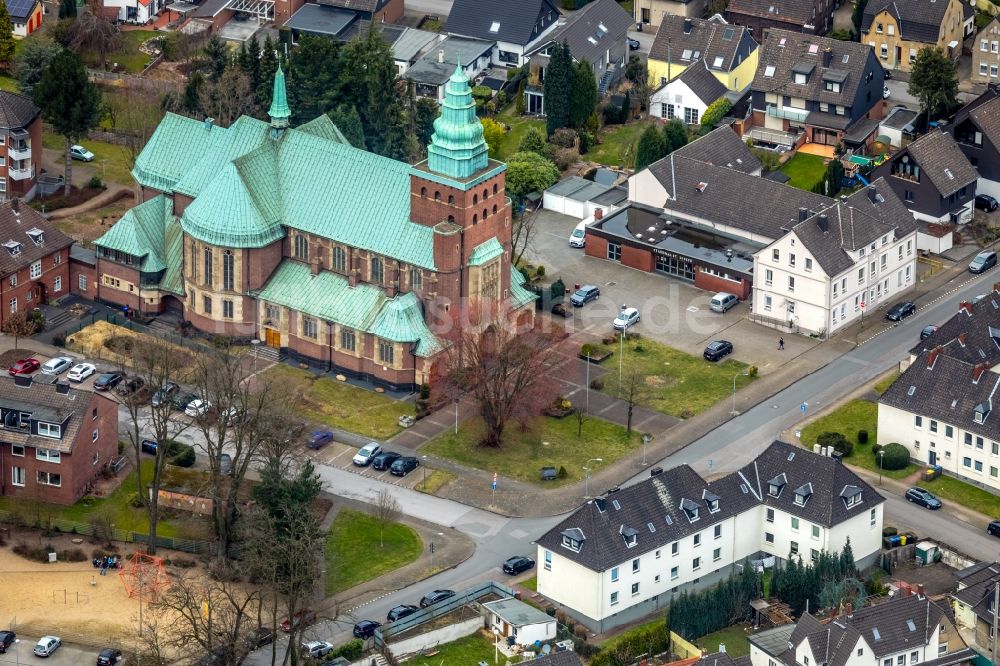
[572,196]
[526,624]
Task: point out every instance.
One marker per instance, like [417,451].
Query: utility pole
[996,616]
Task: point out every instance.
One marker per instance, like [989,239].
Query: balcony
[21,174]
[787,112]
[19,150]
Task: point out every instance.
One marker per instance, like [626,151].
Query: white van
[579,236]
[722,301]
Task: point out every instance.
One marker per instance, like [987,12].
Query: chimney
[920,589]
[352,279]
[314,266]
[803,214]
[827,57]
[978,371]
[598,213]
[872,194]
[824,222]
[687,26]
[962,337]
[441,56]
[965,306]
[996,287]
[932,357]
[208,123]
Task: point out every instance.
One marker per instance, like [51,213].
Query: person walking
[781,343]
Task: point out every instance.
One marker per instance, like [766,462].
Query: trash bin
[893,541]
[902,539]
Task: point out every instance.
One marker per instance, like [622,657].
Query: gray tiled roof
[799,12]
[46,402]
[16,111]
[427,68]
[517,19]
[716,659]
[947,389]
[706,36]
[14,228]
[943,162]
[653,507]
[357,5]
[919,20]
[724,199]
[970,335]
[978,589]
[722,147]
[987,118]
[702,82]
[891,622]
[785,50]
[591,31]
[564,658]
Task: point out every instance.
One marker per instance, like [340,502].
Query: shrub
[837,441]
[564,158]
[752,371]
[59,340]
[560,617]
[895,456]
[580,631]
[349,651]
[184,457]
[628,646]
[73,555]
[561,474]
[425,391]
[587,349]
[889,531]
[95,183]
[119,344]
[563,138]
[540,271]
[862,437]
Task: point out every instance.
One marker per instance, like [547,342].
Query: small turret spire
[279,111]
[457,148]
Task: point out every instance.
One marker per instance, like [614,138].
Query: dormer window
[630,536]
[980,413]
[573,539]
[802,494]
[13,247]
[690,510]
[851,496]
[49,430]
[775,485]
[711,500]
[36,235]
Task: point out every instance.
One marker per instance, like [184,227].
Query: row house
[898,29]
[762,16]
[727,51]
[976,130]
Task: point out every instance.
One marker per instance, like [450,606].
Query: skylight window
[769,71]
[686,55]
[591,40]
[13,247]
[847,56]
[718,62]
[814,48]
[495,27]
[601,30]
[910,625]
[728,34]
[781,42]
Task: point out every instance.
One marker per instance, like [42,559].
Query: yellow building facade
[897,50]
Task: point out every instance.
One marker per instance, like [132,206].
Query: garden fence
[194,343]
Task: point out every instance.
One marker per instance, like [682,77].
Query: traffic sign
[804,407]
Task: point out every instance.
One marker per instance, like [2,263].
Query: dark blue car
[319,439]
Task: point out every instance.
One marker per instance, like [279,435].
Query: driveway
[673,312]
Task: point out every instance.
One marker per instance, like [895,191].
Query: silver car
[57,365]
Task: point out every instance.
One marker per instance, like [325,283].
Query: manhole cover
[610,284]
[692,308]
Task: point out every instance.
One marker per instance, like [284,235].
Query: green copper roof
[173,254]
[240,138]
[225,214]
[174,148]
[324,128]
[519,295]
[486,252]
[329,296]
[140,233]
[279,111]
[457,148]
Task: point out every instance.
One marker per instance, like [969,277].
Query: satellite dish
[546,648]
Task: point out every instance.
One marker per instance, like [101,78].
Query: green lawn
[618,144]
[734,638]
[339,404]
[469,650]
[547,442]
[129,56]
[110,161]
[948,488]
[848,419]
[354,554]
[676,383]
[8,83]
[530,584]
[883,386]
[804,170]
[518,127]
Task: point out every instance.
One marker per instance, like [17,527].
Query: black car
[434,597]
[928,331]
[130,386]
[258,638]
[993,528]
[517,564]
[148,446]
[633,44]
[399,612]
[987,203]
[165,394]
[108,381]
[924,498]
[109,656]
[717,350]
[182,400]
[584,295]
[901,311]
[366,628]
[6,640]
[403,466]
[983,261]
[384,460]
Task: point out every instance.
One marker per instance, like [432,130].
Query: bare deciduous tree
[20,324]
[229,98]
[521,234]
[92,32]
[633,390]
[135,113]
[386,512]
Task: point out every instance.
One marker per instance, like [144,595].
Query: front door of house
[932,458]
[272,338]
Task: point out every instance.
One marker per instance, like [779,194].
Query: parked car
[336,661]
[993,528]
[130,386]
[366,628]
[717,350]
[108,380]
[365,454]
[885,92]
[233,416]
[304,616]
[901,311]
[182,400]
[109,657]
[625,318]
[924,498]
[197,407]
[399,612]
[225,464]
[578,237]
[258,638]
[165,394]
[57,365]
[928,331]
[25,366]
[6,640]
[404,466]
[81,371]
[561,310]
[983,261]
[518,564]
[317,649]
[436,596]
[219,656]
[46,645]
[723,302]
[319,439]
[633,44]
[148,446]
[548,473]
[584,295]
[78,152]
[987,203]
[384,460]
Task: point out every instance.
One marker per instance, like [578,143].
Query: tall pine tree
[584,95]
[6,36]
[651,148]
[558,88]
[349,123]
[368,77]
[313,77]
[267,67]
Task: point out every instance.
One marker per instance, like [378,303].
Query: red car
[25,366]
[304,616]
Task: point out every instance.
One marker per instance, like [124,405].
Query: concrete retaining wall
[437,637]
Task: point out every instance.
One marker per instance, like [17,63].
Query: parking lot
[672,311]
[67,655]
[338,454]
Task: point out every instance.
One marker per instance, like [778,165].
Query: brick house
[20,145]
[986,53]
[54,439]
[760,16]
[34,261]
[898,29]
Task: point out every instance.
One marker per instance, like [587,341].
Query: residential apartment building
[625,555]
[54,439]
[897,29]
[20,145]
[986,53]
[336,256]
[976,130]
[650,14]
[907,629]
[810,89]
[727,51]
[848,258]
[516,26]
[762,16]
[933,177]
[976,603]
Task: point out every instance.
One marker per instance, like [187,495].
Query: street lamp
[456,416]
[496,645]
[586,469]
[745,372]
[880,453]
[621,346]
[255,343]
[424,465]
[17,651]
[645,441]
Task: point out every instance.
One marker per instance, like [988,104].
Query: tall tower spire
[457,148]
[279,111]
